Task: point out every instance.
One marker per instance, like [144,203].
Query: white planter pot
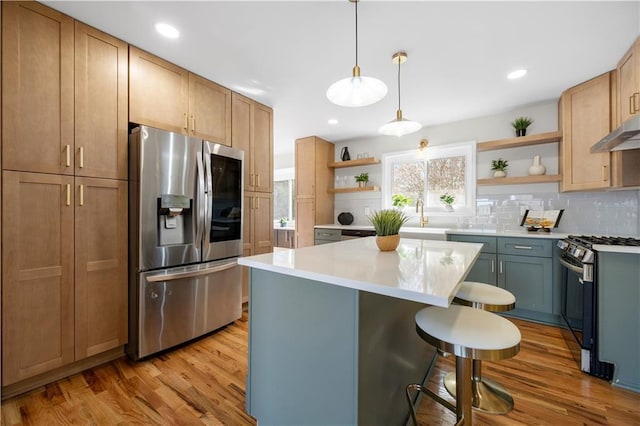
[499,173]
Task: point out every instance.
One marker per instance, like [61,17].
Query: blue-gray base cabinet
[527,267]
[321,354]
[619,316]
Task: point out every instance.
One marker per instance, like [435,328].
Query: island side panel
[302,351]
[619,316]
[391,355]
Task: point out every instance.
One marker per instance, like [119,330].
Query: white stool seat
[468,333]
[485,296]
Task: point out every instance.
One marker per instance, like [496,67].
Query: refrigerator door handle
[200,198]
[208,218]
[189,274]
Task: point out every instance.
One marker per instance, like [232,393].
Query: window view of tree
[446,175]
[283,203]
[408,179]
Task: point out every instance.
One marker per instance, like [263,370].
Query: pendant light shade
[400,126]
[357,90]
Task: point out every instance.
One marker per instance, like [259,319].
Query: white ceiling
[286,54]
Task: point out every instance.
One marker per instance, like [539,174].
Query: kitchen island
[331,328]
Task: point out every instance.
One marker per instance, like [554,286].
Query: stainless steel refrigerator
[185,224]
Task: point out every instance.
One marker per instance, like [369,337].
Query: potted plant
[448,200]
[284,221]
[399,201]
[520,124]
[362,179]
[387,224]
[499,167]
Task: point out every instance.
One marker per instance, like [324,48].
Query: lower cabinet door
[101,280]
[484,270]
[530,279]
[37,274]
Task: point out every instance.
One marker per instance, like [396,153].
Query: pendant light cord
[356,3]
[399,61]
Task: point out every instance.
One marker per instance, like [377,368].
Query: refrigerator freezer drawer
[179,304]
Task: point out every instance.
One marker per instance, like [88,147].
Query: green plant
[447,198]
[284,220]
[499,164]
[521,123]
[399,200]
[362,177]
[388,221]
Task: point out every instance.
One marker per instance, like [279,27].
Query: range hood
[624,137]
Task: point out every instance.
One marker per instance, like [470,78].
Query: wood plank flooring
[204,383]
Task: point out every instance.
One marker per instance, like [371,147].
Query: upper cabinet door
[263,147]
[629,84]
[241,130]
[158,92]
[37,89]
[101,108]
[209,110]
[585,116]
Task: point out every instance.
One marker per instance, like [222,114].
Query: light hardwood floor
[204,383]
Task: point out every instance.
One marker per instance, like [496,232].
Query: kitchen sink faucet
[420,205]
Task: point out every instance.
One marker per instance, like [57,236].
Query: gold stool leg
[463,391]
[488,396]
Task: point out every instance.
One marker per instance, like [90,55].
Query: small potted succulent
[387,224]
[448,200]
[499,167]
[284,221]
[520,125]
[399,201]
[362,179]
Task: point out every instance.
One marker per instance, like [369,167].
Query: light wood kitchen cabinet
[252,132]
[198,107]
[54,315]
[101,104]
[628,86]
[37,274]
[314,180]
[37,88]
[101,284]
[585,116]
[257,237]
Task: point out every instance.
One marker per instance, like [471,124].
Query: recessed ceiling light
[516,74]
[332,121]
[167,30]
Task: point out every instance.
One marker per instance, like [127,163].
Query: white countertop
[424,271]
[617,249]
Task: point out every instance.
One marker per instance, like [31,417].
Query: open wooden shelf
[354,189]
[538,139]
[352,163]
[520,179]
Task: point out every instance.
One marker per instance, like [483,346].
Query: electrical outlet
[484,210]
[367,211]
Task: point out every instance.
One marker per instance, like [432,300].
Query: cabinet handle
[523,247]
[636,106]
[193,124]
[253,179]
[257,203]
[500,264]
[82,195]
[67,149]
[632,104]
[493,266]
[605,173]
[81,157]
[258,180]
[68,193]
[186,122]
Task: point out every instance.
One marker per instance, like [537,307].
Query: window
[283,195]
[445,169]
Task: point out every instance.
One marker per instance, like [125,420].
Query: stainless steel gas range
[579,290]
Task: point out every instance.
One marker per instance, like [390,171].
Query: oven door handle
[571,267]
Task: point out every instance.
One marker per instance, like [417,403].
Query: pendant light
[400,126]
[356,91]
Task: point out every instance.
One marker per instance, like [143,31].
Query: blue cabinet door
[484,270]
[530,279]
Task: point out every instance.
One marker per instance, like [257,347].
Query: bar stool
[488,396]
[469,334]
